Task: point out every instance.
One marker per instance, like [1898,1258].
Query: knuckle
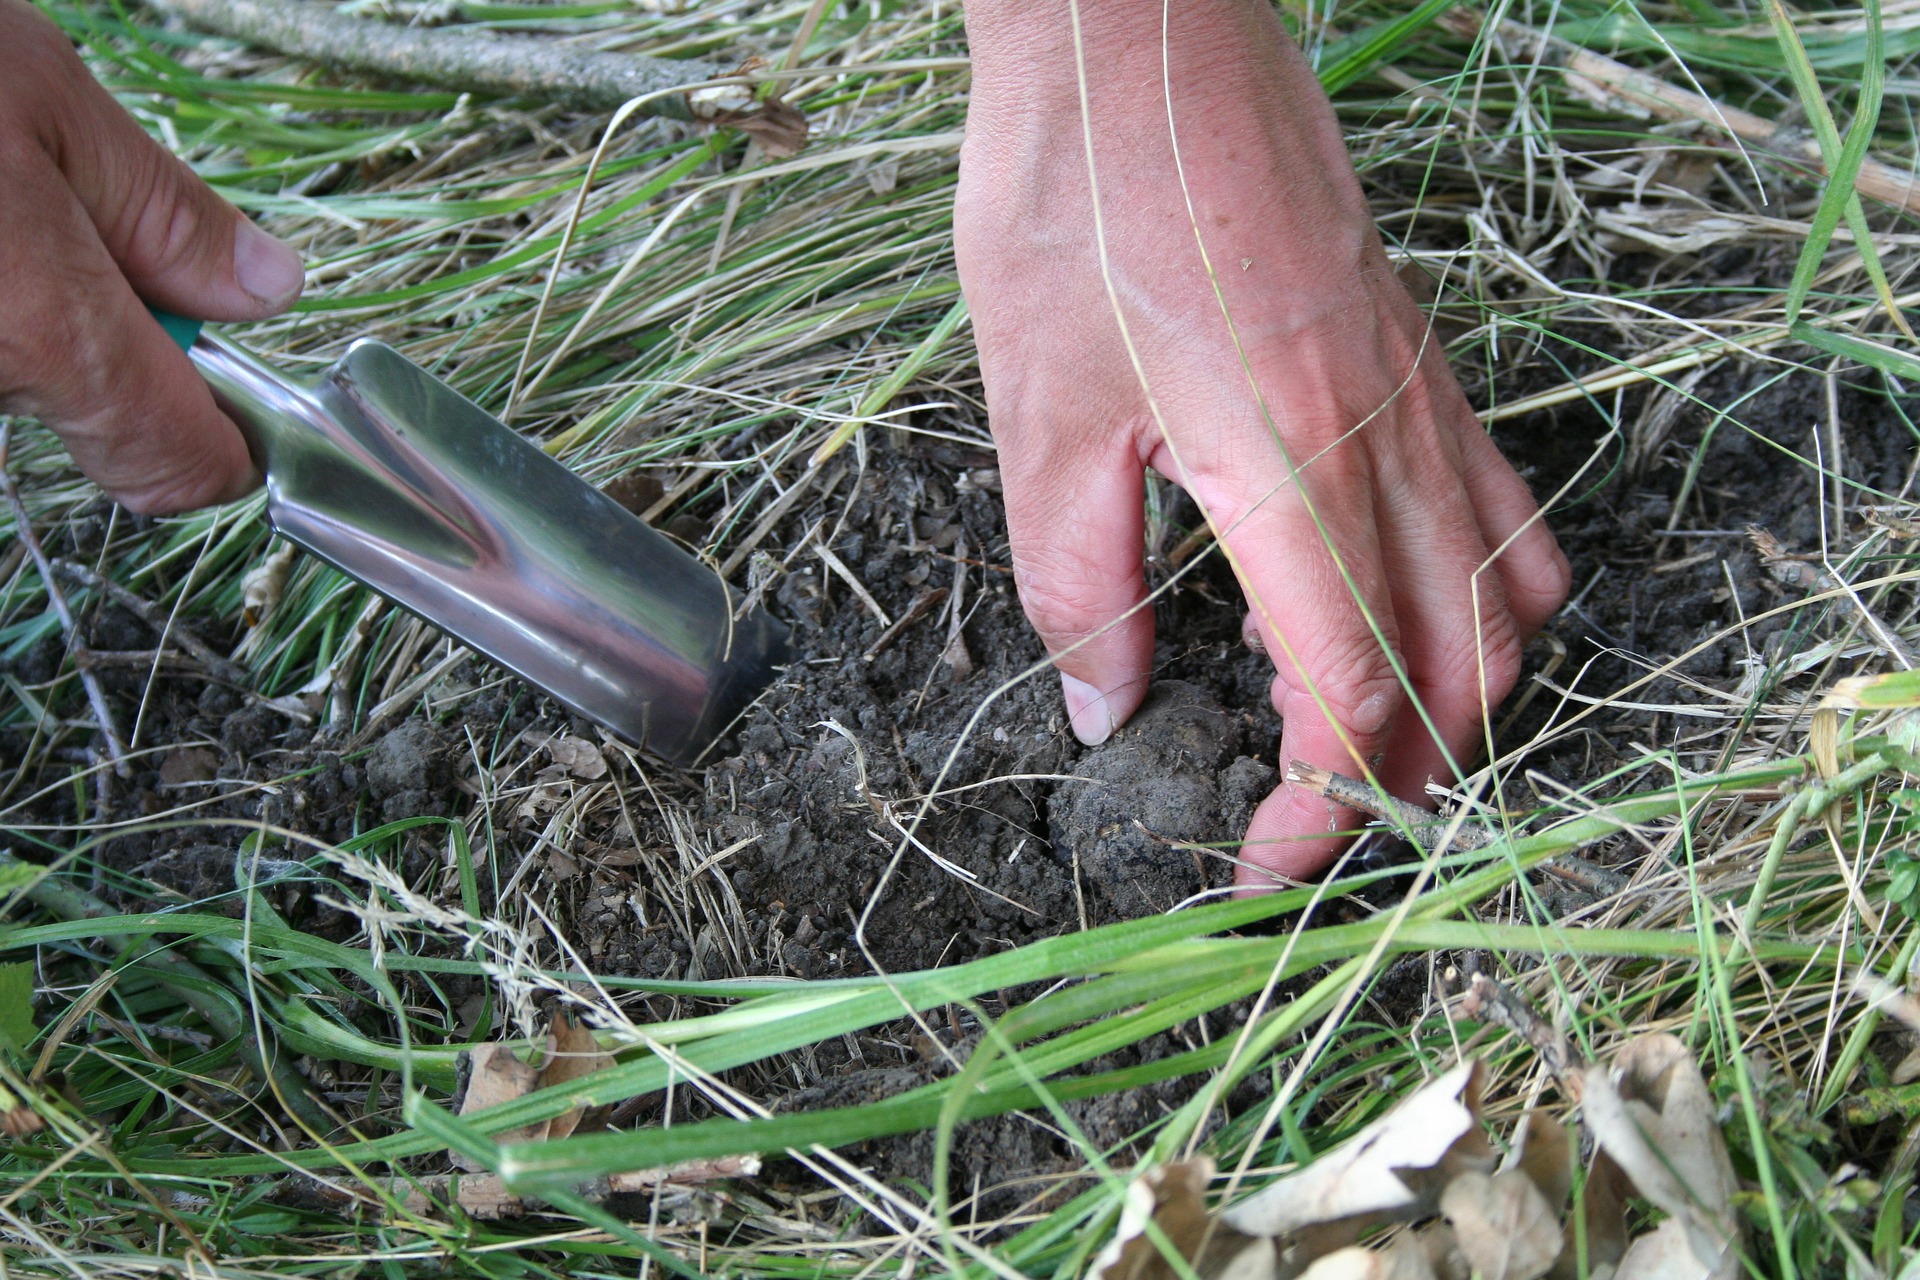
[169,227]
[1064,597]
[1356,679]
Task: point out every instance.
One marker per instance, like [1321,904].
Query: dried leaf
[1543,1150]
[1402,1260]
[1173,1198]
[1375,1172]
[957,656]
[17,1117]
[1657,1123]
[1441,1251]
[578,757]
[688,1173]
[1503,1223]
[780,128]
[576,1055]
[499,1076]
[265,583]
[1664,1253]
[1603,1225]
[485,1196]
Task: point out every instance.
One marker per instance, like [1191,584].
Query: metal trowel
[386,473]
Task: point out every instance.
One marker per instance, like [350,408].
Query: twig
[1591,876]
[1423,826]
[1485,1000]
[1799,574]
[155,617]
[23,526]
[473,61]
[923,604]
[1595,76]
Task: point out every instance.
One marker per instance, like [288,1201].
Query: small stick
[1593,75]
[155,617]
[1426,828]
[1494,1003]
[923,604]
[23,526]
[474,61]
[1797,573]
[1591,876]
[95,659]
[848,576]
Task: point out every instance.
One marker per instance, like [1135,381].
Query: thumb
[177,242]
[1076,524]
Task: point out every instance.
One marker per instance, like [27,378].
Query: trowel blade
[385,472]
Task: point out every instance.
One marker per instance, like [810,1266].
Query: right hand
[1442,555]
[96,219]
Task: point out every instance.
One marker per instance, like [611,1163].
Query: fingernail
[266,268]
[1088,711]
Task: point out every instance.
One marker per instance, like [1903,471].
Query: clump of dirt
[408,772]
[1178,764]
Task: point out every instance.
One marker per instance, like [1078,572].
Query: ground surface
[770,862]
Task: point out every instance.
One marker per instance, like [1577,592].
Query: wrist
[1248,111]
[1028,46]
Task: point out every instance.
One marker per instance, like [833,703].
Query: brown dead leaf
[183,765]
[485,1196]
[1441,1251]
[1664,1253]
[1603,1224]
[265,583]
[1503,1223]
[1543,1150]
[578,757]
[779,127]
[498,1076]
[1404,1259]
[576,1055]
[1173,1198]
[688,1173]
[1657,1123]
[957,656]
[17,1118]
[1378,1172]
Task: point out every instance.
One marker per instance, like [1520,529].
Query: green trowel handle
[182,330]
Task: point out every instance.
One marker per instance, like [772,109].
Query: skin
[94,217]
[1417,513]
[1413,497]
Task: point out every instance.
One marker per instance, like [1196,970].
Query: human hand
[96,217]
[1441,559]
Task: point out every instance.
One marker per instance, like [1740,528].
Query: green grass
[683,298]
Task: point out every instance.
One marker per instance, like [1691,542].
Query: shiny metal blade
[391,476]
